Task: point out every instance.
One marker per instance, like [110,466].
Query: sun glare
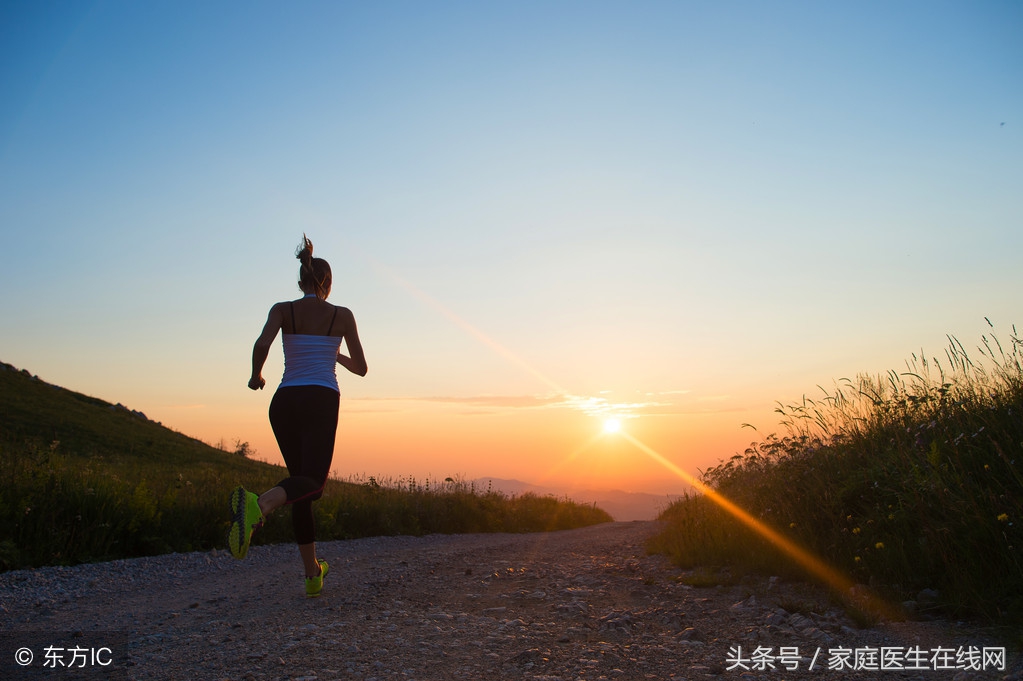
[612,425]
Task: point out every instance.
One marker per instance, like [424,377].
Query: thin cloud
[596,406]
[494,401]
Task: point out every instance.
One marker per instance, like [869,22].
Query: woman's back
[311,316]
[313,329]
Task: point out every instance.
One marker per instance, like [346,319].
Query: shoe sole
[236,539]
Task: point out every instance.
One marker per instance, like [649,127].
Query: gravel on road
[585,604]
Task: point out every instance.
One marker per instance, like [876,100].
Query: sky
[542,214]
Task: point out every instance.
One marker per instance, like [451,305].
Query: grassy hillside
[82,479]
[911,483]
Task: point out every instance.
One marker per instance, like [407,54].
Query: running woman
[304,410]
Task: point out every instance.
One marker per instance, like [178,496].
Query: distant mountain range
[623,506]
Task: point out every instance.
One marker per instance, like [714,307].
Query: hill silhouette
[42,415]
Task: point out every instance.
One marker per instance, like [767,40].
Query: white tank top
[310,360]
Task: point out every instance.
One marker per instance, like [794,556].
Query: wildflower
[1003,518]
[891,516]
[857,559]
[792,525]
[879,545]
[986,467]
[856,530]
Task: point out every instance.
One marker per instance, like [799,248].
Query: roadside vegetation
[85,480]
[909,482]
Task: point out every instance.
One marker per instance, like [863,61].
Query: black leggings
[304,420]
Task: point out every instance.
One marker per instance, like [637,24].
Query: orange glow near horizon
[528,436]
[551,472]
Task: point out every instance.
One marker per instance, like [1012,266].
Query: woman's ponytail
[314,275]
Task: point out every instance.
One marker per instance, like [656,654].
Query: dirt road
[581,604]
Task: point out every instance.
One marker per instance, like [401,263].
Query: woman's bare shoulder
[345,316]
[277,309]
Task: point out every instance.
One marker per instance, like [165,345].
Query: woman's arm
[355,361]
[261,349]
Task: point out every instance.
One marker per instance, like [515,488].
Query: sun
[612,425]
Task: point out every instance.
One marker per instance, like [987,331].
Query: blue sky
[707,206]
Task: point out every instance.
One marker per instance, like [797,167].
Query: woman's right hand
[256,383]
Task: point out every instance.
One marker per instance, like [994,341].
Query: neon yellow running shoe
[314,585]
[246,517]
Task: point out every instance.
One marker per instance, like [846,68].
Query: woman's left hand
[256,383]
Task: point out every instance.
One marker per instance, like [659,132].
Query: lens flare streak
[501,350]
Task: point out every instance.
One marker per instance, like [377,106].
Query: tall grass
[56,508]
[907,481]
[84,480]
